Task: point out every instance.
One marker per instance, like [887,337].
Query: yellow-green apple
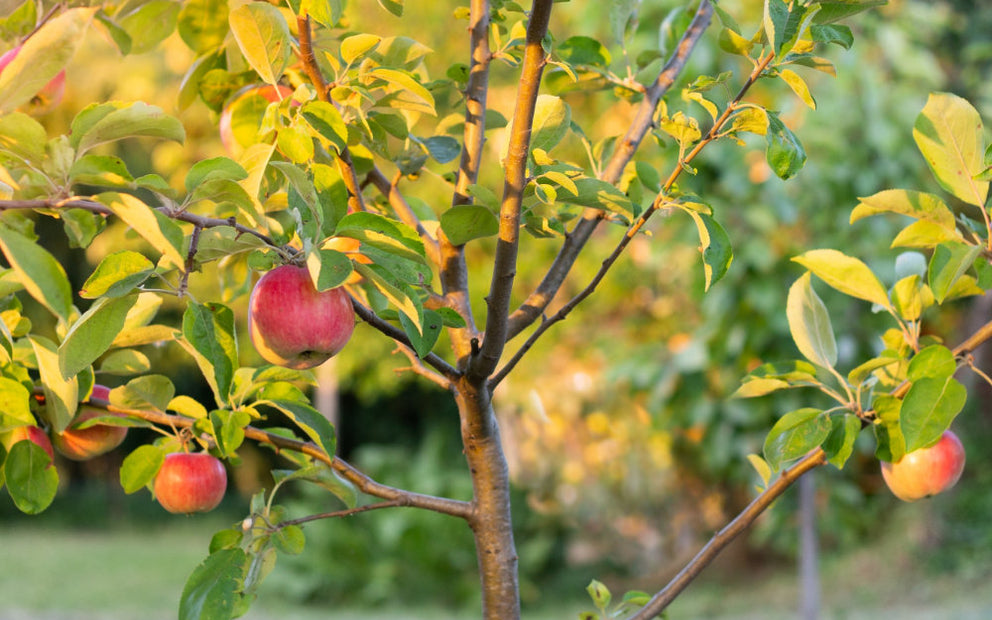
[927,471]
[31,433]
[240,119]
[81,444]
[292,324]
[52,93]
[190,482]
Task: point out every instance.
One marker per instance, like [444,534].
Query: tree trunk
[491,522]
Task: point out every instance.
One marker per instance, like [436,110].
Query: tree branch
[454,272]
[537,302]
[403,210]
[77,202]
[362,481]
[505,261]
[355,200]
[634,228]
[724,537]
[431,359]
[337,513]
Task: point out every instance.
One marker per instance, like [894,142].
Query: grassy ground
[59,574]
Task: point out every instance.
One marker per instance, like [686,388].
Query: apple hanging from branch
[81,444]
[927,471]
[34,434]
[190,482]
[292,324]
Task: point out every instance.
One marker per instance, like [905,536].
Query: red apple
[190,482]
[32,433]
[294,325]
[84,444]
[927,471]
[250,106]
[52,93]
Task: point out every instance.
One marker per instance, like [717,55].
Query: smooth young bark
[490,518]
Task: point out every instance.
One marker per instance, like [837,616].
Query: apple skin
[927,471]
[52,93]
[293,325]
[268,92]
[84,444]
[35,434]
[190,482]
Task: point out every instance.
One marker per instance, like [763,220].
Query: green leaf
[775,22]
[836,10]
[407,93]
[19,22]
[846,274]
[328,268]
[374,229]
[935,361]
[92,334]
[890,444]
[398,294]
[356,46]
[61,394]
[263,36]
[153,392]
[325,12]
[950,136]
[443,148]
[599,593]
[795,434]
[213,588]
[103,170]
[393,6]
[162,233]
[23,136]
[784,151]
[928,410]
[325,119]
[918,205]
[150,24]
[733,43]
[838,34]
[463,223]
[714,243]
[125,362]
[38,271]
[289,539]
[139,467]
[949,262]
[809,323]
[798,86]
[15,405]
[907,298]
[31,479]
[310,421]
[43,56]
[552,118]
[324,476]
[208,335]
[599,194]
[214,168]
[107,122]
[423,343]
[839,444]
[203,24]
[760,465]
[229,429]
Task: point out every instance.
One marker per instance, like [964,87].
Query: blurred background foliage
[625,448]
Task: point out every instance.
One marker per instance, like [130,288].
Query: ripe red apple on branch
[190,482]
[294,325]
[52,93]
[83,444]
[927,471]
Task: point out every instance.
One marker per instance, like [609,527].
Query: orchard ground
[142,574]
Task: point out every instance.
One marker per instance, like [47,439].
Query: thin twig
[417,367]
[395,503]
[724,537]
[660,200]
[537,302]
[432,359]
[77,202]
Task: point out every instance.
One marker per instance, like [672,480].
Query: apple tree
[357,186]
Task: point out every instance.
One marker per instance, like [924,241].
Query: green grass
[56,573]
